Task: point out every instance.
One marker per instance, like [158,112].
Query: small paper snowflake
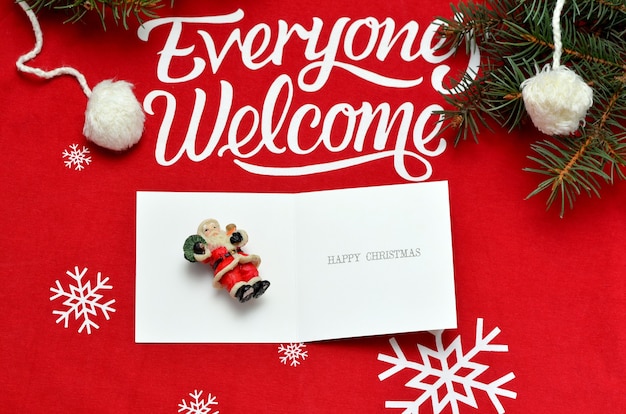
[292,352]
[437,383]
[76,158]
[82,300]
[197,405]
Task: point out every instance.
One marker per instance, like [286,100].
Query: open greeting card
[342,263]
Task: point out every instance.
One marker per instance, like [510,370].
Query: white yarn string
[556,34]
[21,61]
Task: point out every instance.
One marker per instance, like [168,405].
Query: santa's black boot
[244,293]
[260,287]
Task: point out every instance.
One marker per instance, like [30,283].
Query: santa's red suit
[231,269]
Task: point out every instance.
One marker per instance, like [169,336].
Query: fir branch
[473,23]
[575,166]
[120,10]
[615,146]
[573,53]
[502,96]
[601,14]
[515,39]
[467,114]
[572,167]
[617,5]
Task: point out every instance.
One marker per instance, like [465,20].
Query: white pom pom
[114,118]
[557,100]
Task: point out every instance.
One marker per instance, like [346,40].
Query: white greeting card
[342,263]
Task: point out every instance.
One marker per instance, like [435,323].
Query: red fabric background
[554,287]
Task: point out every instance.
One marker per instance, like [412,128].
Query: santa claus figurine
[233,269]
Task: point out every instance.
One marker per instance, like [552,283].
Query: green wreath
[189,244]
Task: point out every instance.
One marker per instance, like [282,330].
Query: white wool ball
[114,118]
[557,100]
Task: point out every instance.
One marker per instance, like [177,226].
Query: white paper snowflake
[82,300]
[197,405]
[76,158]
[440,389]
[293,352]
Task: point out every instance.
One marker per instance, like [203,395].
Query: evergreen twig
[121,10]
[515,38]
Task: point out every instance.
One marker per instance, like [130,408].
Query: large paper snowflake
[81,300]
[76,158]
[452,367]
[293,352]
[197,405]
